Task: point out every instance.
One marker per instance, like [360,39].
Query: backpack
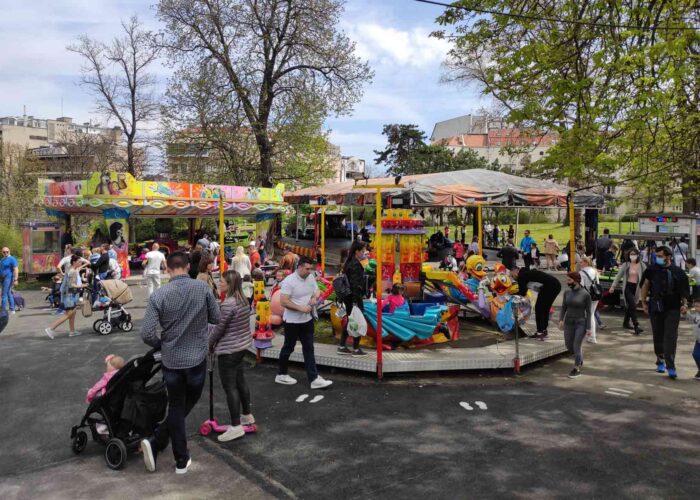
[341,287]
[595,290]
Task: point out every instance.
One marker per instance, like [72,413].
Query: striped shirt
[182,309]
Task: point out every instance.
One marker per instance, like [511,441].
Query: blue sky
[391,34]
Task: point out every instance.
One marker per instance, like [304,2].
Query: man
[474,246]
[66,239]
[289,259]
[154,263]
[602,247]
[511,232]
[545,296]
[253,254]
[9,277]
[526,243]
[668,290]
[298,294]
[182,309]
[496,232]
[694,272]
[509,255]
[204,242]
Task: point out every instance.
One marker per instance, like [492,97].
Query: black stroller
[131,408]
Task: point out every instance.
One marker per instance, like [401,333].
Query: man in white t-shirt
[154,263]
[298,295]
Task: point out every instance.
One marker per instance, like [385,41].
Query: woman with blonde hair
[229,341]
[241,263]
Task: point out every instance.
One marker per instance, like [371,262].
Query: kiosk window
[45,242]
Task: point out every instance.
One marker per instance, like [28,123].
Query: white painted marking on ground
[302,398]
[617,394]
[481,405]
[619,390]
[316,399]
[466,405]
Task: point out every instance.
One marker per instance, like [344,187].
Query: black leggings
[631,304]
[349,303]
[235,385]
[543,304]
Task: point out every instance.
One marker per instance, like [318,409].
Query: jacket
[232,334]
[356,277]
[622,274]
[100,386]
[551,247]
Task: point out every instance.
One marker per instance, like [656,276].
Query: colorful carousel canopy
[455,189]
[157,199]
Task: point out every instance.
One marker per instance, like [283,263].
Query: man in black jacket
[509,255]
[545,296]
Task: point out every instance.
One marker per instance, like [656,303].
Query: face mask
[634,258]
[572,286]
[661,261]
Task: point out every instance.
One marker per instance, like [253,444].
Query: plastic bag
[357,324]
[505,319]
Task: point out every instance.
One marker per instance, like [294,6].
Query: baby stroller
[113,295]
[129,411]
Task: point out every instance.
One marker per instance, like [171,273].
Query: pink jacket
[100,387]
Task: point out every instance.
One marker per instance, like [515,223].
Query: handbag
[595,290]
[87,304]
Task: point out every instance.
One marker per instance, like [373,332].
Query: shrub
[11,237]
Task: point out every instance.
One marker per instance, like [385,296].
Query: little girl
[113,364]
[396,299]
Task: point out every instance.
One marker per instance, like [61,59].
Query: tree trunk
[130,157]
[265,149]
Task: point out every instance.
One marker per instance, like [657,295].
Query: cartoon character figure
[476,269]
[503,301]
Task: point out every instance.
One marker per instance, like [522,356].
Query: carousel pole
[323,241]
[480,228]
[222,258]
[572,233]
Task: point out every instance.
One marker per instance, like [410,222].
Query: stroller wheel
[79,442]
[96,325]
[115,454]
[127,326]
[105,328]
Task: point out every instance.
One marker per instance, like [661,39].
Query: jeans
[184,390]
[543,304]
[235,385]
[630,304]
[7,292]
[696,351]
[574,333]
[349,303]
[305,333]
[3,322]
[664,326]
[594,309]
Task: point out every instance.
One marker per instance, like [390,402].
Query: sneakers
[602,327]
[591,340]
[285,379]
[672,373]
[359,352]
[542,336]
[627,326]
[247,419]
[50,333]
[320,383]
[233,432]
[576,372]
[74,334]
[343,350]
[150,454]
[697,375]
[58,312]
[660,367]
[182,465]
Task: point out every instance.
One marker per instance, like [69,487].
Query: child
[694,317]
[280,274]
[258,274]
[396,299]
[113,364]
[535,255]
[248,288]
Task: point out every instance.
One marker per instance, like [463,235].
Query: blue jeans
[696,353]
[7,292]
[184,390]
[3,323]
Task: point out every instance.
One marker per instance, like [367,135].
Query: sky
[393,35]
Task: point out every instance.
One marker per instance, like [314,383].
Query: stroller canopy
[117,291]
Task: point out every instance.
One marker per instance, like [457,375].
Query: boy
[694,272]
[694,317]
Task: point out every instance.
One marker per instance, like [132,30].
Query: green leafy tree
[402,141]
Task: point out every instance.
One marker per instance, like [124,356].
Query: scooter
[212,425]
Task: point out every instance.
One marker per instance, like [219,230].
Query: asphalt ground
[540,436]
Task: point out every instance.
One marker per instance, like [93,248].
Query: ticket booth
[41,247]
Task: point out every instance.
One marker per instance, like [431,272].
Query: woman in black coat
[356,278]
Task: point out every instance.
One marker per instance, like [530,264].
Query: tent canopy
[455,189]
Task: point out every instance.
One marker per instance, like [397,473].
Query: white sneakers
[247,419]
[285,380]
[50,333]
[320,383]
[74,334]
[233,432]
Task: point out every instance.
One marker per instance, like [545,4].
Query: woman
[241,263]
[206,265]
[551,250]
[631,275]
[356,278]
[575,319]
[589,275]
[70,292]
[229,341]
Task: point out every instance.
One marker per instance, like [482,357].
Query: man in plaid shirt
[183,308]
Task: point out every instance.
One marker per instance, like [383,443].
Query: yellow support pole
[480,228]
[572,233]
[323,241]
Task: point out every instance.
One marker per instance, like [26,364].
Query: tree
[117,74]
[402,141]
[263,57]
[19,172]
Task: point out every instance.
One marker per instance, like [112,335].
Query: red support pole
[378,249]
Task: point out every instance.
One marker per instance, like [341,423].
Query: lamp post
[572,232]
[378,250]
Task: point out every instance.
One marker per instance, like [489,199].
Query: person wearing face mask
[575,319]
[356,278]
[631,275]
[666,286]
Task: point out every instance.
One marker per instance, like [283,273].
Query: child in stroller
[113,295]
[132,405]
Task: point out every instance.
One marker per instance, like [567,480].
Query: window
[37,138]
